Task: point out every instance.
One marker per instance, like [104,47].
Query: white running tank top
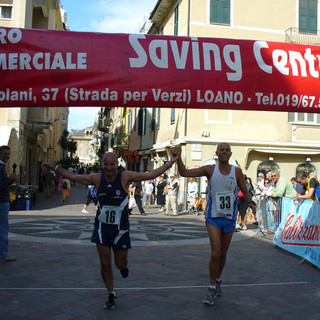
[222,195]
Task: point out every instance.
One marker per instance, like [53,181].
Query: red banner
[59,68]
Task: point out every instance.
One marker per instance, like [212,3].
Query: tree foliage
[69,146]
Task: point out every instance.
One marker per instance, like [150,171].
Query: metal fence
[268,214]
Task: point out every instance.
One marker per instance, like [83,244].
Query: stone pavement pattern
[168,278]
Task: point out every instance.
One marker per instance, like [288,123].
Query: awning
[5,135]
[306,152]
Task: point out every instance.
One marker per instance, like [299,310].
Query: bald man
[225,181]
[111,227]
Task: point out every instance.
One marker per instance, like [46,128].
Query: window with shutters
[305,118]
[6,7]
[308,18]
[176,20]
[220,11]
[173,115]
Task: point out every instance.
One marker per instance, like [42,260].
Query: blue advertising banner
[299,230]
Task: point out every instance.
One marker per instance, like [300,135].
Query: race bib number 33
[110,215]
[224,203]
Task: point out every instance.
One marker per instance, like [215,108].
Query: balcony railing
[294,35]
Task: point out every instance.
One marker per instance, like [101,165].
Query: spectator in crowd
[60,183]
[143,194]
[250,216]
[91,196]
[49,178]
[242,208]
[137,191]
[172,196]
[267,190]
[66,187]
[205,193]
[192,191]
[243,204]
[249,185]
[161,197]
[310,185]
[148,189]
[5,182]
[296,185]
[281,186]
[153,195]
[259,184]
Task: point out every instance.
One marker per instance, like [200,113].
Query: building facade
[260,141]
[85,145]
[32,133]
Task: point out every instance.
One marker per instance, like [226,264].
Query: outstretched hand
[175,153]
[47,166]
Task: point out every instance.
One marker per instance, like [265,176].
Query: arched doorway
[267,166]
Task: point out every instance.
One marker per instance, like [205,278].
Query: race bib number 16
[110,215]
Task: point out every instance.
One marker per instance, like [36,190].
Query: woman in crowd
[161,197]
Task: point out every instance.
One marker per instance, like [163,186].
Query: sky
[107,16]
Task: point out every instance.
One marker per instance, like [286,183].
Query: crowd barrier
[268,214]
[296,225]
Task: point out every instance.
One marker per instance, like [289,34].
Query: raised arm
[131,176]
[195,172]
[93,179]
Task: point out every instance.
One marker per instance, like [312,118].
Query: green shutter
[308,18]
[173,115]
[291,117]
[159,118]
[176,20]
[220,11]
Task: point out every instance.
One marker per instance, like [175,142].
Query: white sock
[218,280]
[212,286]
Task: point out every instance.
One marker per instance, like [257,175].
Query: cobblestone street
[57,273]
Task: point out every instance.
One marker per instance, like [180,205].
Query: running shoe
[111,302]
[124,272]
[8,258]
[211,295]
[218,288]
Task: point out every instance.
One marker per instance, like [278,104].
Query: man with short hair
[296,185]
[172,196]
[5,182]
[147,189]
[221,210]
[111,227]
[281,186]
[259,184]
[192,192]
[309,184]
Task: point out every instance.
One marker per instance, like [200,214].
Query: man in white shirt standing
[192,192]
[172,196]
